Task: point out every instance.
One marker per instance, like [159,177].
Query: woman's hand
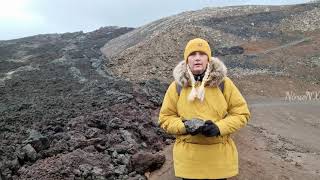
[210,129]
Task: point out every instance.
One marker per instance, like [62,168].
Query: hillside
[63,116]
[260,45]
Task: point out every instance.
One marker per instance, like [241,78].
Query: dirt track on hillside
[280,142]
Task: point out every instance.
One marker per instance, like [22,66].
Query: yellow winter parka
[198,156]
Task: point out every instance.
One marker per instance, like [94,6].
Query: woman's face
[197,62]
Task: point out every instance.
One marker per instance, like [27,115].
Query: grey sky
[20,18]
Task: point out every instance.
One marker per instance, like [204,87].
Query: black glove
[193,126]
[210,129]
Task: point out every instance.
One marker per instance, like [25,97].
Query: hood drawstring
[198,92]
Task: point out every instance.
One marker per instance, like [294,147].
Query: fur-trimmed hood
[217,72]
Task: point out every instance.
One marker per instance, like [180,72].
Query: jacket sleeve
[238,111]
[169,119]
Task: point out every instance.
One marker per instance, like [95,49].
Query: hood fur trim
[217,72]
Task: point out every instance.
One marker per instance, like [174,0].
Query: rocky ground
[64,117]
[85,105]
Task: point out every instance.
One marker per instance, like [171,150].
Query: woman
[202,108]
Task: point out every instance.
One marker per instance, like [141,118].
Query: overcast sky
[20,18]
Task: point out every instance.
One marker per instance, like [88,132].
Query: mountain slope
[257,43]
[63,116]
